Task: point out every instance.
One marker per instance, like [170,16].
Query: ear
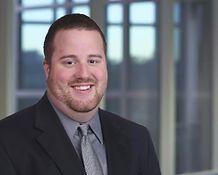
[46,67]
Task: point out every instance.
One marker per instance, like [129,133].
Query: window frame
[167,107]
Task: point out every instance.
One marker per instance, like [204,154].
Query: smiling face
[77,74]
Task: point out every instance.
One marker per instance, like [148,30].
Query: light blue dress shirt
[95,136]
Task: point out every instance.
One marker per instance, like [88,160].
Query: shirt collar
[71,125]
[95,125]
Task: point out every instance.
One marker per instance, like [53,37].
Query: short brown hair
[70,21]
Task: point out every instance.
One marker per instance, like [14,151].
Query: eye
[68,62]
[93,60]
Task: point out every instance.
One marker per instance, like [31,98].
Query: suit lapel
[55,141]
[115,145]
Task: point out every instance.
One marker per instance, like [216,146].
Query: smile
[83,88]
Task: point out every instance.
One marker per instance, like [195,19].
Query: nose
[82,71]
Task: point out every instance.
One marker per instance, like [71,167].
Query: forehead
[78,34]
[78,39]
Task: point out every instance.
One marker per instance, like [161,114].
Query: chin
[83,107]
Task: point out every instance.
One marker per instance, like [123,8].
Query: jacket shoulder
[18,117]
[122,123]
[17,125]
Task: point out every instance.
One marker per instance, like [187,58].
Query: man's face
[77,75]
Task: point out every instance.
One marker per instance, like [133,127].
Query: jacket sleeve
[6,166]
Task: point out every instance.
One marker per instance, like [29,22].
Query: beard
[63,93]
[83,105]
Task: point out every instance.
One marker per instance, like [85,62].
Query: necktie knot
[84,129]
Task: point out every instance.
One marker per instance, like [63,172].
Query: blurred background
[162,60]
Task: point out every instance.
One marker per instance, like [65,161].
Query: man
[49,138]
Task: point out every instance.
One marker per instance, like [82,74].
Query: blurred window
[133,63]
[193,63]
[34,20]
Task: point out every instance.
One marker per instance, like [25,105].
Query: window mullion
[215,85]
[167,101]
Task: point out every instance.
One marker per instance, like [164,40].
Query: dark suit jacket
[34,142]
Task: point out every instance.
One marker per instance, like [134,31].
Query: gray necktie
[90,160]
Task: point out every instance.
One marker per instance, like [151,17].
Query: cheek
[63,77]
[59,75]
[102,75]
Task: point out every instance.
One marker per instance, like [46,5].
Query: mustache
[82,80]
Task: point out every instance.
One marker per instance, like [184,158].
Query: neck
[81,117]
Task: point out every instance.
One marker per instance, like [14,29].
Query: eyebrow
[95,55]
[68,56]
[74,56]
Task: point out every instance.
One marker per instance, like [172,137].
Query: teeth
[82,88]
